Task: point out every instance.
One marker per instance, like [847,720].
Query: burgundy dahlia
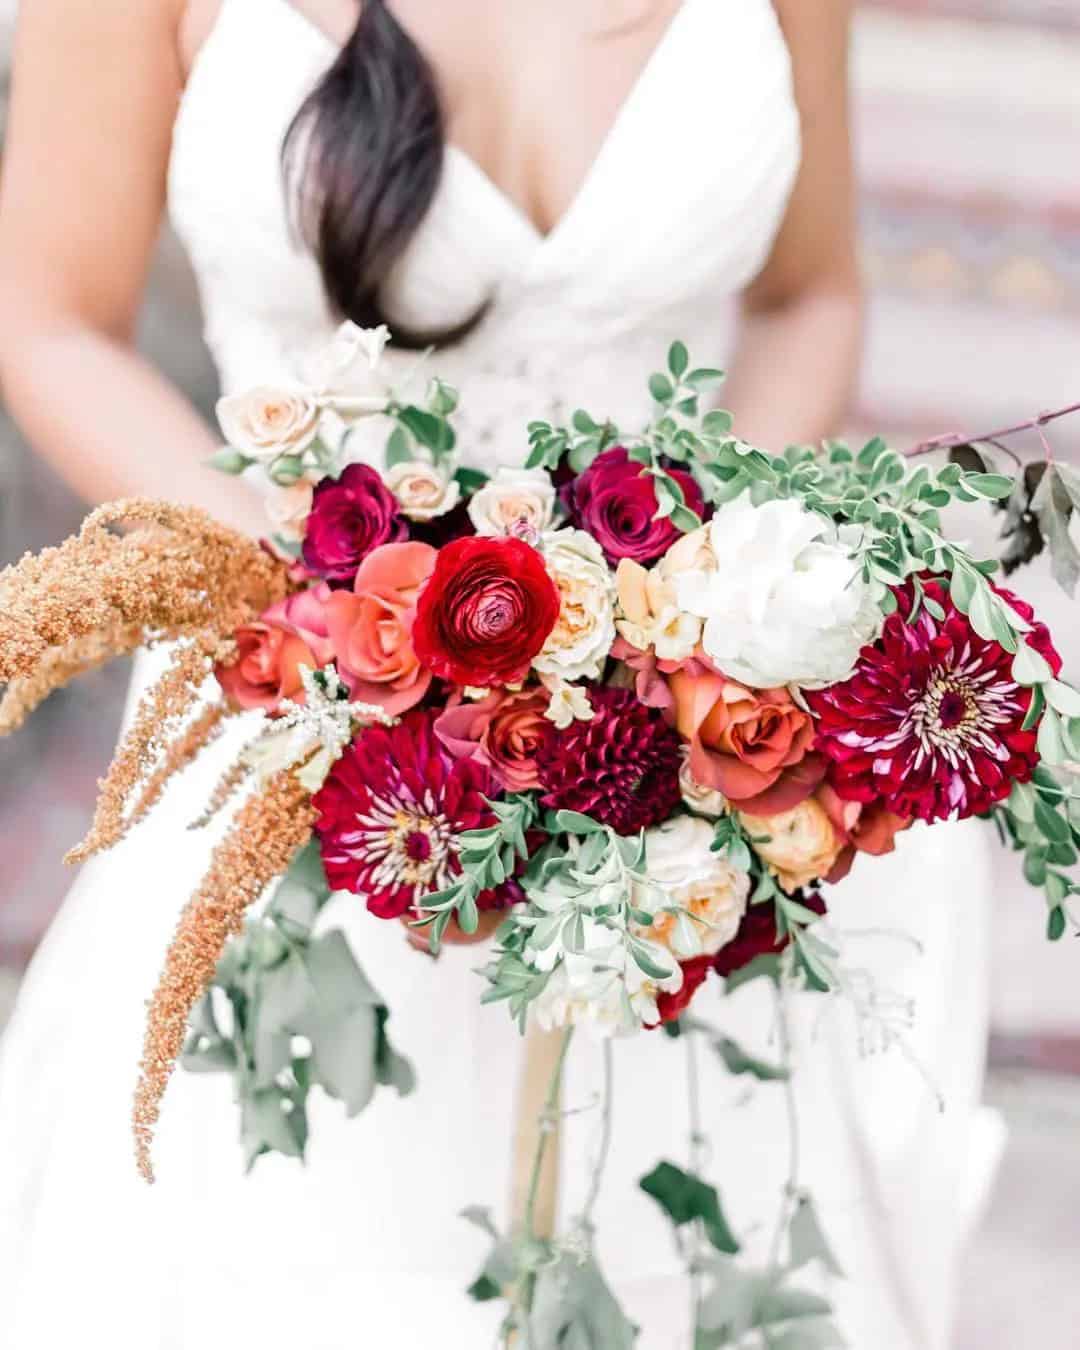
[930,723]
[350,516]
[615,501]
[621,767]
[391,811]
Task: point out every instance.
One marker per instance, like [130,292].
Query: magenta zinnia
[931,721]
[391,813]
[621,767]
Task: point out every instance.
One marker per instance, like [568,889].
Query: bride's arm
[799,335]
[95,92]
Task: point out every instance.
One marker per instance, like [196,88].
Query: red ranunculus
[486,611]
[350,516]
[615,501]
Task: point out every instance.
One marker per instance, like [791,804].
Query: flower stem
[696,1158]
[605,1141]
[546,1124]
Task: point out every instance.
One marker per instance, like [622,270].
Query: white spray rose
[347,375]
[602,986]
[683,869]
[422,491]
[702,800]
[512,497]
[577,646]
[782,599]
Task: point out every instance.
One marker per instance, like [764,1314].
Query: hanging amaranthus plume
[173,572]
[269,829]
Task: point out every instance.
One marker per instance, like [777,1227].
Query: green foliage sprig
[488,857]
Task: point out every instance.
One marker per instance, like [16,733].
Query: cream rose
[269,421]
[798,846]
[422,491]
[289,508]
[683,871]
[579,643]
[513,497]
[702,800]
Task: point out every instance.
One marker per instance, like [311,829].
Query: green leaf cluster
[301,1014]
[1041,819]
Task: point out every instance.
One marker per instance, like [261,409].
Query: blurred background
[968,124]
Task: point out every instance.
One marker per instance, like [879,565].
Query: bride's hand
[454,935]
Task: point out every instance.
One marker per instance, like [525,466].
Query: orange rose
[864,828]
[371,627]
[751,745]
[270,652]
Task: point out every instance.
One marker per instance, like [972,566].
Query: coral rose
[486,612]
[614,500]
[503,731]
[350,516]
[864,827]
[798,846]
[371,627]
[751,745]
[270,652]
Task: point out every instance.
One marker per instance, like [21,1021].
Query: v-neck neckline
[541,238]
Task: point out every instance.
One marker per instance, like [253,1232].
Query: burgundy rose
[759,936]
[350,516]
[615,501]
[695,972]
[486,611]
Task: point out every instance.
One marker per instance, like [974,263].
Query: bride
[552,192]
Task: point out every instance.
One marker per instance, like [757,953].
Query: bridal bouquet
[628,708]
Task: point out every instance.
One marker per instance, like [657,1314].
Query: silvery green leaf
[340,982]
[651,959]
[1031,667]
[739,1061]
[343,1053]
[808,1241]
[206,1056]
[817,1334]
[573,822]
[1062,697]
[573,1309]
[266,1124]
[1049,743]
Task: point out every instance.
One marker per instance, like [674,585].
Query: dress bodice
[677,214]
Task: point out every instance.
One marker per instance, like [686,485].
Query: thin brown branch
[951,440]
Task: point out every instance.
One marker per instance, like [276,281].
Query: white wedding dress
[363,1246]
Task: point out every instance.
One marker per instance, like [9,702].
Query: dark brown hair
[362,161]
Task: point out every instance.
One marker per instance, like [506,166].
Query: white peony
[422,491]
[683,871]
[782,599]
[578,645]
[512,498]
